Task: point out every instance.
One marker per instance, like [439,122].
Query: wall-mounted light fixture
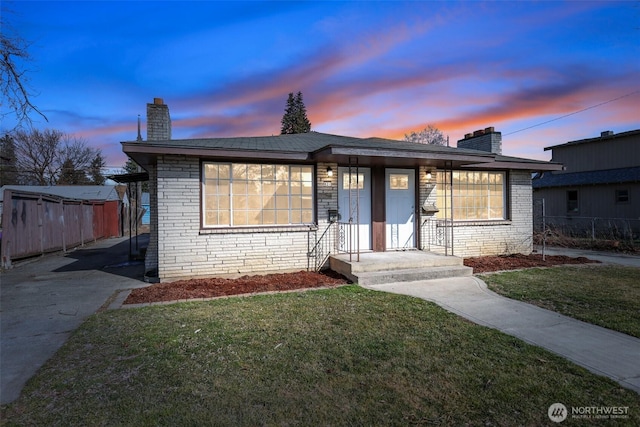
[428,175]
[329,171]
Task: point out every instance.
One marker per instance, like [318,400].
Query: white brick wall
[187,251]
[497,237]
[179,248]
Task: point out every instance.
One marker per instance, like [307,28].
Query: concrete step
[409,275]
[380,261]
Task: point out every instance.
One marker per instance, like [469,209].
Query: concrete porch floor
[395,266]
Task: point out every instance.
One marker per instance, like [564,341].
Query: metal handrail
[321,249]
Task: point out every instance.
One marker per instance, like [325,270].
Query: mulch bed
[487,264]
[218,287]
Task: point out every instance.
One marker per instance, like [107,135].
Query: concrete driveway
[43,300]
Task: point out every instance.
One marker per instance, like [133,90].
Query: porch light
[329,171]
[428,175]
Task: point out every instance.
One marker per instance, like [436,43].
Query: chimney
[158,121]
[606,133]
[486,139]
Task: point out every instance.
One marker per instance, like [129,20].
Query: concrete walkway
[43,300]
[602,351]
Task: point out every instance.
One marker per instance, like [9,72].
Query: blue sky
[364,68]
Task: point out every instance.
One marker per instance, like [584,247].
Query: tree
[428,135]
[69,175]
[8,167]
[295,118]
[132,167]
[95,169]
[45,157]
[14,86]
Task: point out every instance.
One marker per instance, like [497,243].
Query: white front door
[354,207]
[400,201]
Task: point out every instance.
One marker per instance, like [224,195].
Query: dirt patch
[217,287]
[487,264]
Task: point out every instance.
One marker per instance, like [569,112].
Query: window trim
[618,192]
[575,211]
[506,198]
[249,228]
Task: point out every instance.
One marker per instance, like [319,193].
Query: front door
[400,201]
[354,207]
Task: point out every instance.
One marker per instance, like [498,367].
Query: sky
[542,73]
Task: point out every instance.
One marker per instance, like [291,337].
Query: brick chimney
[158,121]
[486,139]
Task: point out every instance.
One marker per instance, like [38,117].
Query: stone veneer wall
[186,250]
[479,238]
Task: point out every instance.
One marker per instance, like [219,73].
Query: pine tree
[295,118]
[69,175]
[8,165]
[303,125]
[288,118]
[95,169]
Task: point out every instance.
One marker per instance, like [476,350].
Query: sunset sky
[365,68]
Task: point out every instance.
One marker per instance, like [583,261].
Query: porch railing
[439,233]
[320,248]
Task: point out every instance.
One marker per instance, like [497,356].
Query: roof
[76,192]
[602,138]
[572,179]
[314,146]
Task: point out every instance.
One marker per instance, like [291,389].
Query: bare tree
[16,95]
[428,135]
[43,156]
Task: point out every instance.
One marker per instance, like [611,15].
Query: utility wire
[575,112]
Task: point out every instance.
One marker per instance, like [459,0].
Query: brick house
[229,206]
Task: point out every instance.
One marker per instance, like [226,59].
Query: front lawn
[345,356]
[607,296]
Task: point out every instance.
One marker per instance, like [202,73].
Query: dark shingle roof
[301,143]
[610,176]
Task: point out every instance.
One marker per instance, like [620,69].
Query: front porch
[374,268]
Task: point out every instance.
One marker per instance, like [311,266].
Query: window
[477,195]
[357,181]
[622,196]
[398,181]
[572,201]
[241,194]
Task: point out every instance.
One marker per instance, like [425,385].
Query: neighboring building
[598,192]
[227,206]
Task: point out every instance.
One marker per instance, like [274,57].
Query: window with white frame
[477,195]
[244,194]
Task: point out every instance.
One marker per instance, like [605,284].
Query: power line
[575,112]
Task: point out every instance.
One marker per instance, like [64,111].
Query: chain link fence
[583,231]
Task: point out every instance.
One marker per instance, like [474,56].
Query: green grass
[607,296]
[345,356]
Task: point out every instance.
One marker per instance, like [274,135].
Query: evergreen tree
[295,118]
[95,169]
[69,175]
[303,125]
[8,165]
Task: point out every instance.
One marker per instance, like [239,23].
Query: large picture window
[241,194]
[477,195]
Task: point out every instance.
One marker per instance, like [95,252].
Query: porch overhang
[399,158]
[146,154]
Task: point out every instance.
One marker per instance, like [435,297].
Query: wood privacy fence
[34,224]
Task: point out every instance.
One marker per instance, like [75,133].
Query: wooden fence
[34,224]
